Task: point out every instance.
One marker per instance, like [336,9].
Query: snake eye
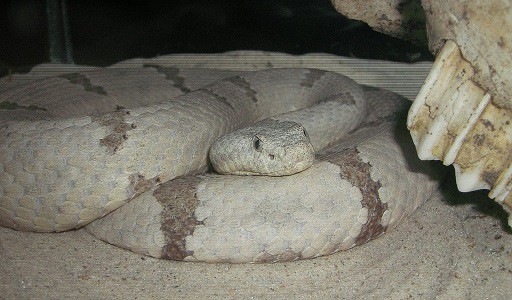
[256,143]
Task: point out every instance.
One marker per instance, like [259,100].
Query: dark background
[105,32]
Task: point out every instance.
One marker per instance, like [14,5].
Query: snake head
[270,147]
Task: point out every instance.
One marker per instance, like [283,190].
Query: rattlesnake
[126,153]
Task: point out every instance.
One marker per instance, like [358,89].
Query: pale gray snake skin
[65,162]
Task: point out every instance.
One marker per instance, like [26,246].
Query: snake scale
[124,151]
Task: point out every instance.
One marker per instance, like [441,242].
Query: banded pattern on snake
[126,156]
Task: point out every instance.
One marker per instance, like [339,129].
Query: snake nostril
[305,132]
[271,156]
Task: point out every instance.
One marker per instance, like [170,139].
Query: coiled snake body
[120,148]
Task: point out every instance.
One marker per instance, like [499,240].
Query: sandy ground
[456,246]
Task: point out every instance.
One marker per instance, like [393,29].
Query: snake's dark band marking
[81,79]
[241,82]
[116,122]
[7,105]
[139,184]
[179,200]
[218,97]
[344,98]
[311,77]
[357,173]
[171,73]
